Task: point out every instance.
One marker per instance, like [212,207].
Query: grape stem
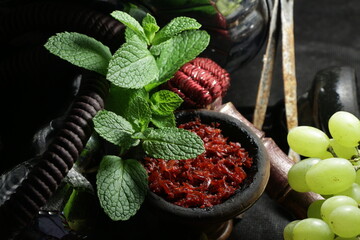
[331,150]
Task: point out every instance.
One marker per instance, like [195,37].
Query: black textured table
[326,34]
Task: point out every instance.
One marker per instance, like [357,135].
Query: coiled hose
[19,25]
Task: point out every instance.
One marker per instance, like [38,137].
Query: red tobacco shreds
[207,180]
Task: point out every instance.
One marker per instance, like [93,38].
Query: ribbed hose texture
[46,176]
[46,19]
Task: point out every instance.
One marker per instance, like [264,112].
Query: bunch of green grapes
[329,168]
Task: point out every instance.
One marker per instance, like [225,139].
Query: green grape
[308,141]
[312,229]
[341,238]
[345,221]
[296,174]
[344,127]
[342,151]
[357,179]
[353,192]
[314,208]
[334,202]
[330,176]
[288,230]
[325,155]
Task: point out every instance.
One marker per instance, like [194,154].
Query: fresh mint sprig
[135,113]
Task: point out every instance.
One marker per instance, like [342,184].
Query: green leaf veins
[80,50]
[179,50]
[162,121]
[132,66]
[114,128]
[150,27]
[149,57]
[165,102]
[121,186]
[130,22]
[138,113]
[174,27]
[173,143]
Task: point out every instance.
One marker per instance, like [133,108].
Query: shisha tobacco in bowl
[206,180]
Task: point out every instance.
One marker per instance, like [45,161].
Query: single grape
[296,174]
[342,151]
[345,221]
[330,176]
[308,141]
[332,203]
[314,209]
[344,127]
[312,229]
[353,192]
[288,230]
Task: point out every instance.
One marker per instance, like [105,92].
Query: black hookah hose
[45,177]
[52,16]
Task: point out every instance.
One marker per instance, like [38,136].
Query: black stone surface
[326,34]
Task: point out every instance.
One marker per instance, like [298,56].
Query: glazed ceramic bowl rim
[240,201]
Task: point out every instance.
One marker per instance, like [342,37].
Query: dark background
[326,34]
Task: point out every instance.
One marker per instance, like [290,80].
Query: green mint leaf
[150,27]
[174,27]
[118,98]
[179,50]
[165,102]
[162,121]
[162,53]
[138,113]
[173,143]
[79,208]
[130,22]
[133,10]
[129,34]
[114,128]
[80,50]
[121,186]
[155,50]
[138,135]
[132,66]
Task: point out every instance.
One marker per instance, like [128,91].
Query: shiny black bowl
[248,193]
